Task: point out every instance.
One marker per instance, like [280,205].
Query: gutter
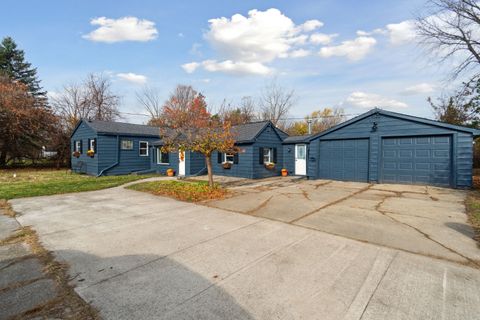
[116,162]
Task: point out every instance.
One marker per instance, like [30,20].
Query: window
[127,145]
[162,157]
[92,145]
[143,148]
[267,155]
[78,146]
[228,158]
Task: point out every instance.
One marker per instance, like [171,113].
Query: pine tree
[14,66]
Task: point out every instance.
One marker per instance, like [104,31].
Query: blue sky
[348,54]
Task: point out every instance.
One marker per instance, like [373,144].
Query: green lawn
[181,190]
[31,183]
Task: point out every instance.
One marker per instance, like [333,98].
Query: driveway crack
[332,203]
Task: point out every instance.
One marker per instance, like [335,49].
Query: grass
[185,191]
[31,183]
[67,304]
[473,212]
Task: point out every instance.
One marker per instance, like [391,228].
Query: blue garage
[387,147]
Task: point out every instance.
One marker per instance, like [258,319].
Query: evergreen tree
[14,66]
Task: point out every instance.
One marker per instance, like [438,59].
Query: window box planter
[170,172]
[227,165]
[269,165]
[76,154]
[90,153]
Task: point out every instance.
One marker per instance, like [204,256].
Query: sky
[348,54]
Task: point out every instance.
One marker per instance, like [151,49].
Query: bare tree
[235,115]
[276,102]
[150,99]
[93,99]
[70,105]
[181,97]
[451,28]
[100,97]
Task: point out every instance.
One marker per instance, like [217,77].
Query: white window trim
[90,147]
[230,155]
[121,144]
[140,149]
[159,157]
[78,145]
[270,150]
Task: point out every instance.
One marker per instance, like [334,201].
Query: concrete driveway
[137,256]
[426,220]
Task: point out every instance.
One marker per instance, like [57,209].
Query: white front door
[181,163]
[300,160]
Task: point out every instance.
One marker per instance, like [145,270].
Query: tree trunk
[208,160]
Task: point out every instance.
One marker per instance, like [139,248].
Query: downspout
[116,162]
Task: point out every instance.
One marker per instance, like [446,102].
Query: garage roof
[435,123]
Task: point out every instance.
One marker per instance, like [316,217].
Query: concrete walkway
[137,256]
[426,220]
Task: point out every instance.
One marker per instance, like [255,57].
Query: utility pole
[309,121]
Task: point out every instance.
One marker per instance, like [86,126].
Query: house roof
[249,131]
[123,128]
[296,139]
[440,124]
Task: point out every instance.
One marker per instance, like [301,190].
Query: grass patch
[31,183]
[182,190]
[473,212]
[67,304]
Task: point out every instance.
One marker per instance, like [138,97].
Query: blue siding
[389,126]
[162,168]
[195,163]
[244,168]
[84,163]
[129,160]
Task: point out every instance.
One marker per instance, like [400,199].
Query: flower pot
[270,166]
[90,153]
[284,172]
[170,173]
[226,165]
[76,154]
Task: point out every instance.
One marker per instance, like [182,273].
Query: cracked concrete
[133,255]
[420,219]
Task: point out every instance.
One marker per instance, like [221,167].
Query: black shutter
[219,157]
[81,146]
[260,155]
[235,158]
[95,145]
[74,144]
[166,157]
[88,144]
[274,155]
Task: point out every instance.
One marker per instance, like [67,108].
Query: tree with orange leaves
[190,126]
[24,124]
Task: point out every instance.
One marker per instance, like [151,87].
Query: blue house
[117,148]
[260,146]
[386,147]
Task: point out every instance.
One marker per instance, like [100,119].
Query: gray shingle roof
[295,139]
[123,128]
[248,132]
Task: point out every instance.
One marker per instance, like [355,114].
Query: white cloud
[421,88]
[181,35]
[229,66]
[311,25]
[401,33]
[245,44]
[370,100]
[132,77]
[122,29]
[352,49]
[322,38]
[190,67]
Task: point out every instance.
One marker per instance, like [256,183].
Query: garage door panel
[344,159]
[417,160]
